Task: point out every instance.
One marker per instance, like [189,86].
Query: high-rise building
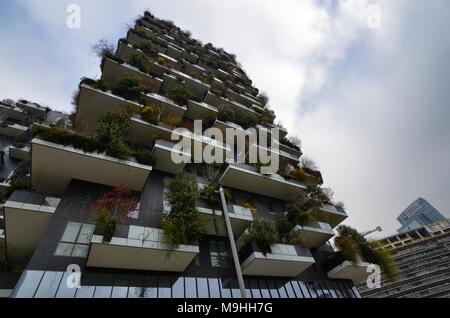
[56,231]
[422,256]
[417,214]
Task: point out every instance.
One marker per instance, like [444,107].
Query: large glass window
[75,240]
[220,254]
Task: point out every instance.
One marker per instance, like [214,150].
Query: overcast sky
[370,104]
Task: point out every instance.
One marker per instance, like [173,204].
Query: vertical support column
[237,265]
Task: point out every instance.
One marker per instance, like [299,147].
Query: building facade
[50,230]
[417,214]
[423,258]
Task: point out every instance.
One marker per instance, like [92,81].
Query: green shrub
[183,223]
[226,114]
[152,113]
[284,227]
[70,138]
[111,131]
[148,49]
[140,61]
[129,87]
[179,94]
[264,233]
[238,116]
[145,157]
[211,193]
[100,85]
[105,225]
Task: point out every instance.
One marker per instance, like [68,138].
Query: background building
[423,258]
[164,80]
[419,213]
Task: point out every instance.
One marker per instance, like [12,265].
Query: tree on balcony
[113,207]
[129,87]
[179,94]
[140,61]
[264,233]
[354,245]
[111,131]
[183,223]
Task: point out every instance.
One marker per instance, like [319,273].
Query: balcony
[313,234]
[26,216]
[191,57]
[219,102]
[243,99]
[143,249]
[20,153]
[170,108]
[168,61]
[247,178]
[136,40]
[12,129]
[12,111]
[240,219]
[339,268]
[283,261]
[197,88]
[174,52]
[55,165]
[193,69]
[330,214]
[93,104]
[162,153]
[125,51]
[144,133]
[285,158]
[201,111]
[112,71]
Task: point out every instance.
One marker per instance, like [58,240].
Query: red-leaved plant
[119,203]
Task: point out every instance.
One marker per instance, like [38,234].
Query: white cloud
[354,95]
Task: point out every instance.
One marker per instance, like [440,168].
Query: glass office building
[418,214]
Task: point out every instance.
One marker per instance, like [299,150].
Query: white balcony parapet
[13,130]
[144,249]
[357,272]
[200,110]
[23,153]
[247,178]
[283,261]
[313,234]
[55,165]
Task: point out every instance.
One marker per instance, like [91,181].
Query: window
[220,254]
[75,240]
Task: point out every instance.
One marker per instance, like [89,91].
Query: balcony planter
[55,165]
[283,261]
[247,178]
[143,249]
[338,267]
[312,234]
